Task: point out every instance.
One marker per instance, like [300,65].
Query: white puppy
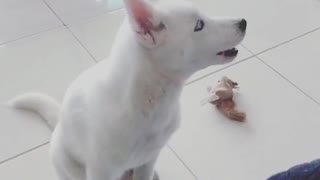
[120,113]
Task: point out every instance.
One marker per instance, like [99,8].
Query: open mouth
[229,53]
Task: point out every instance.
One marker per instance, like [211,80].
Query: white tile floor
[44,44]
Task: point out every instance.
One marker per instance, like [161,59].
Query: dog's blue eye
[199,25]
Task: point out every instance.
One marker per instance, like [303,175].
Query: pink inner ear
[140,11]
[142,14]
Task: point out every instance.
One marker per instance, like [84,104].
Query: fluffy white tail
[47,107]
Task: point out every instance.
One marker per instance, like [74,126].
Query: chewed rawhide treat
[221,95]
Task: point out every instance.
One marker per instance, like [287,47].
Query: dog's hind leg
[67,167]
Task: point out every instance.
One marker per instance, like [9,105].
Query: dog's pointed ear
[145,20]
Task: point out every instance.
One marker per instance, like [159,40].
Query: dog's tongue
[229,53]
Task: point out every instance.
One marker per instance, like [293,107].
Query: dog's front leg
[146,172]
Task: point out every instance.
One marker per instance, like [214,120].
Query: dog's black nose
[243,25]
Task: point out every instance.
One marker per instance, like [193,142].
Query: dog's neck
[154,90]
[156,79]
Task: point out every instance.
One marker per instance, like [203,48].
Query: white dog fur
[120,113]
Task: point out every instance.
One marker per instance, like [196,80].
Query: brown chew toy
[221,96]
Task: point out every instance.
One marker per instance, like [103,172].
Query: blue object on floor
[306,171]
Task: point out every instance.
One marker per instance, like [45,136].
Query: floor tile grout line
[23,153]
[290,82]
[74,36]
[54,13]
[46,143]
[39,32]
[82,45]
[183,163]
[55,27]
[282,76]
[30,35]
[79,41]
[284,42]
[91,18]
[119,9]
[251,52]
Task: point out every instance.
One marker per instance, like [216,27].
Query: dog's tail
[47,107]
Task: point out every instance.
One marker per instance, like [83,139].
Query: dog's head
[184,38]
